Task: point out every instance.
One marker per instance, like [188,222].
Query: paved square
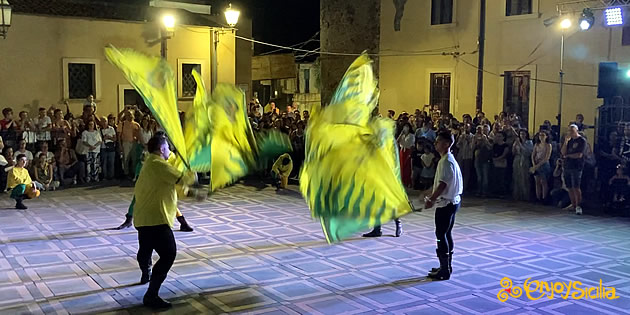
[259,252]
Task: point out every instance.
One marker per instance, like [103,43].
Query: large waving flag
[351,175]
[233,142]
[153,78]
[198,129]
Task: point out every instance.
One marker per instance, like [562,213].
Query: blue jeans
[107,163]
[482,168]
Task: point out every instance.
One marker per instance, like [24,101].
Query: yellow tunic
[156,198]
[282,170]
[18,175]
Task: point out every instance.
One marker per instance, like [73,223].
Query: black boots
[450,266]
[399,229]
[127,223]
[19,205]
[155,302]
[376,232]
[444,272]
[151,298]
[183,225]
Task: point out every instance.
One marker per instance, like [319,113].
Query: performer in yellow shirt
[20,183]
[281,170]
[154,212]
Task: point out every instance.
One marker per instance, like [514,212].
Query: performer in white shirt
[447,189]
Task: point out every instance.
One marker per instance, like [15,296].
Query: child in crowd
[21,184]
[619,184]
[429,163]
[281,170]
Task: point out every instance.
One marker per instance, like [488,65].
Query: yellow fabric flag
[233,141]
[351,174]
[198,129]
[153,78]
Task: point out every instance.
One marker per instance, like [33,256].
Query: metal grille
[80,80]
[441,91]
[189,86]
[441,12]
[516,94]
[518,7]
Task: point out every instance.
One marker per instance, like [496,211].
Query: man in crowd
[573,154]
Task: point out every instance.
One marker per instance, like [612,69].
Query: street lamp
[166,31]
[5,18]
[231,17]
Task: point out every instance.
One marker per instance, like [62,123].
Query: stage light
[628,74]
[587,19]
[565,24]
[614,16]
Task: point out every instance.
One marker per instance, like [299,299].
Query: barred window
[81,80]
[518,7]
[189,86]
[441,12]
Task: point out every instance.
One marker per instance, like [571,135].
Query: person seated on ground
[560,193]
[281,170]
[42,173]
[68,165]
[619,184]
[21,184]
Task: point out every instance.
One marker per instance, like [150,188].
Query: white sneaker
[578,210]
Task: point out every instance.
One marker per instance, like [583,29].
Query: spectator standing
[92,141]
[541,167]
[129,133]
[573,155]
[522,151]
[108,149]
[27,128]
[43,124]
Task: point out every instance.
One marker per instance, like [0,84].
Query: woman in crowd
[522,152]
[91,140]
[541,167]
[406,142]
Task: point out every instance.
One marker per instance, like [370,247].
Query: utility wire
[533,79]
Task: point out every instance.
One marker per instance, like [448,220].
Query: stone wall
[349,26]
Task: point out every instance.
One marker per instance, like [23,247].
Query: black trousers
[161,239]
[444,221]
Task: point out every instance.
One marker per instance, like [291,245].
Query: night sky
[281,22]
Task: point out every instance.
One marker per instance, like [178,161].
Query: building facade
[51,56]
[429,56]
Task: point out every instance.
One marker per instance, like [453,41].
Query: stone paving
[258,251]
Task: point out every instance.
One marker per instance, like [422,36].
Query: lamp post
[168,26]
[231,17]
[564,25]
[5,18]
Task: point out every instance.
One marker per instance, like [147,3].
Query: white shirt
[92,138]
[408,141]
[145,136]
[42,123]
[29,155]
[109,131]
[448,172]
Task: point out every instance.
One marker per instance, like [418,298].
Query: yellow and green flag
[351,174]
[153,78]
